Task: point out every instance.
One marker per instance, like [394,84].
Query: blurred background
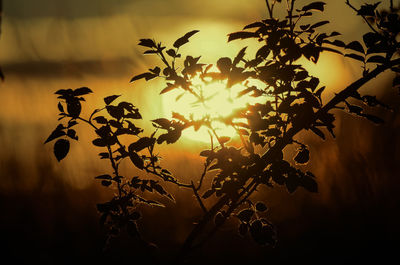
[48,212]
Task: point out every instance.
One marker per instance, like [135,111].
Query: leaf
[171,52]
[71,133]
[147,43]
[61,149]
[99,142]
[376,59]
[147,76]
[223,139]
[156,70]
[314,6]
[319,24]
[58,132]
[163,123]
[82,91]
[100,120]
[224,65]
[309,183]
[169,87]
[74,107]
[141,144]
[368,10]
[108,100]
[355,56]
[239,56]
[208,194]
[185,39]
[206,153]
[261,207]
[245,215]
[371,38]
[373,118]
[302,156]
[60,107]
[254,25]
[355,46]
[150,52]
[241,35]
[106,183]
[105,176]
[136,159]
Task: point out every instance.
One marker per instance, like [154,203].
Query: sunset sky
[47,45]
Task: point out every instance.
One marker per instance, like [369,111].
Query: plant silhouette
[290,101]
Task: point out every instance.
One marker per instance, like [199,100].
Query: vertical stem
[269,8]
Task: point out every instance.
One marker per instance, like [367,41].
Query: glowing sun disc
[220,103]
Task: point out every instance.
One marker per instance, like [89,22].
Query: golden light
[219,102]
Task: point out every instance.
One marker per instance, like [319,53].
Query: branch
[198,198]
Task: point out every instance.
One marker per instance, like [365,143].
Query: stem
[269,9]
[198,198]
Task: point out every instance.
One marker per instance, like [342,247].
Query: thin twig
[198,198]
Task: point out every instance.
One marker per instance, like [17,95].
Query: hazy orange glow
[220,102]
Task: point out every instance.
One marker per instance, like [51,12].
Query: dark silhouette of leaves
[142,143]
[58,132]
[314,6]
[302,156]
[108,100]
[356,46]
[241,35]
[61,149]
[356,57]
[245,215]
[261,207]
[368,9]
[136,159]
[147,76]
[185,39]
[147,43]
[74,107]
[82,91]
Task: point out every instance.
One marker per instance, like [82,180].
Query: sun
[220,102]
